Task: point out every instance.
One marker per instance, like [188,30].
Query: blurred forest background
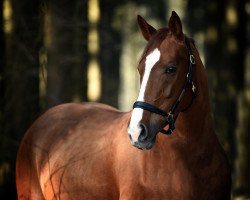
[53,52]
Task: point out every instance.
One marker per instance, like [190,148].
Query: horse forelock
[154,42]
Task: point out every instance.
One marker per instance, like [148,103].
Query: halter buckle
[170,120]
[191,58]
[193,87]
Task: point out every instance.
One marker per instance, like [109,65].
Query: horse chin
[145,145]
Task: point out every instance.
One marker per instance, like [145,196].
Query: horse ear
[146,29]
[175,25]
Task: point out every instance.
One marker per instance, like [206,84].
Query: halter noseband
[170,115]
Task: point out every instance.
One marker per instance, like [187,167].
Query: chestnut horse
[83,151]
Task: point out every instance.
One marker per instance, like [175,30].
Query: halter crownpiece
[170,115]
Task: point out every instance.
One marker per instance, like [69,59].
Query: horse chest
[168,179]
[175,186]
[157,183]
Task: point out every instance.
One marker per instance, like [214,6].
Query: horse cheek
[168,91]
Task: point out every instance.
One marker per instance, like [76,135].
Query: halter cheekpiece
[170,115]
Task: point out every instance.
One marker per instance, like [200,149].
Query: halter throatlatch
[170,118]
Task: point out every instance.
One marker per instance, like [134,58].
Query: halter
[170,115]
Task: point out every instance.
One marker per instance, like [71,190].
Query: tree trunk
[66,45]
[221,74]
[20,80]
[2,57]
[196,24]
[227,28]
[233,72]
[110,48]
[242,162]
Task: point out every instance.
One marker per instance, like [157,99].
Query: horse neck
[196,122]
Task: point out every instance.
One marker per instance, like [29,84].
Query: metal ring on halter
[171,121]
[193,87]
[191,58]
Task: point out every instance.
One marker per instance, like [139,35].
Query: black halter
[170,115]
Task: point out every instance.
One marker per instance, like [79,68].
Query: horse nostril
[130,137]
[144,132]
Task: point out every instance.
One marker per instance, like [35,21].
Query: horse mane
[192,41]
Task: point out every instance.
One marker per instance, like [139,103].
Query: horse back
[58,145]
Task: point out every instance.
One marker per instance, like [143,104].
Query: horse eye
[170,69]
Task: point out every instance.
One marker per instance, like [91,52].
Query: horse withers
[165,148]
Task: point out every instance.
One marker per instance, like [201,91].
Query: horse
[165,148]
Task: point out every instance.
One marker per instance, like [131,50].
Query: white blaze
[134,128]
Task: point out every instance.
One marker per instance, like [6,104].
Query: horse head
[167,89]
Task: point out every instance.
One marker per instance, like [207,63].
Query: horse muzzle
[141,137]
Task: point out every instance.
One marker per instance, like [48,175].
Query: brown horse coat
[82,151]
